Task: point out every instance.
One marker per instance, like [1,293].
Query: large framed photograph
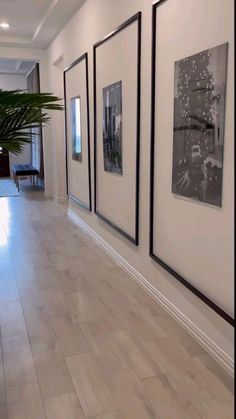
[192,125]
[78,176]
[117,128]
[199,119]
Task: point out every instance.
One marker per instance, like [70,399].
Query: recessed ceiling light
[4,25]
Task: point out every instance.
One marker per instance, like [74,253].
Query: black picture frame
[155,257]
[123,26]
[83,57]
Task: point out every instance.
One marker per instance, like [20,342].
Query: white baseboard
[209,345]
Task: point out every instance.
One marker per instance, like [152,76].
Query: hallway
[80,339]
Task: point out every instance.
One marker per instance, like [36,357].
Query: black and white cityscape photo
[199,112]
[112,128]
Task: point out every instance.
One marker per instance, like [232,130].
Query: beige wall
[93,21]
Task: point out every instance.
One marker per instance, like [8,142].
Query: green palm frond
[21,112]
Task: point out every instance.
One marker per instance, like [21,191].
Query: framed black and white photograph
[191,153]
[117,75]
[77,130]
[199,118]
[112,128]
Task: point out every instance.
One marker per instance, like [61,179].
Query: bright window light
[4,25]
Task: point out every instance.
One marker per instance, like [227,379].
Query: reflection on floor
[80,339]
[8,188]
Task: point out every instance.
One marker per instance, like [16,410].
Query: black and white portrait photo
[199,113]
[112,128]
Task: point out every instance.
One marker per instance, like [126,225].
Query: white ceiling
[34,23]
[15,66]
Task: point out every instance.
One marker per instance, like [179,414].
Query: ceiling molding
[44,19]
[35,24]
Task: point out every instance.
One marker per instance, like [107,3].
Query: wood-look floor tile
[18,362]
[66,406]
[119,296]
[97,334]
[31,294]
[12,320]
[24,272]
[38,323]
[168,403]
[52,373]
[214,368]
[47,278]
[39,259]
[3,410]
[220,383]
[59,262]
[25,402]
[209,406]
[68,282]
[2,379]
[8,290]
[129,393]
[180,336]
[125,282]
[145,323]
[69,335]
[93,392]
[6,271]
[175,361]
[131,352]
[112,415]
[83,308]
[56,303]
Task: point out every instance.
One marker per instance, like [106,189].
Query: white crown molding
[209,345]
[44,19]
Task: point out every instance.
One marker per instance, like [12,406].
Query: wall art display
[112,128]
[77,132]
[117,76]
[76,129]
[191,153]
[199,111]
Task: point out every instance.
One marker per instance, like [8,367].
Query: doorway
[23,75]
[4,163]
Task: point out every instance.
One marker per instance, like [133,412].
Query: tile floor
[80,339]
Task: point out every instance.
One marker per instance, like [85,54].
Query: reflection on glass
[112,128]
[76,129]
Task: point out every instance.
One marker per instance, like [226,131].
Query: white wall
[38,55]
[12,82]
[92,22]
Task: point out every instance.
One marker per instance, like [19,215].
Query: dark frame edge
[77,61]
[116,228]
[78,201]
[132,19]
[164,265]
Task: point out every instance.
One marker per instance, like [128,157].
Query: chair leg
[17,183]
[33,182]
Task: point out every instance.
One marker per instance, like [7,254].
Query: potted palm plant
[19,113]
